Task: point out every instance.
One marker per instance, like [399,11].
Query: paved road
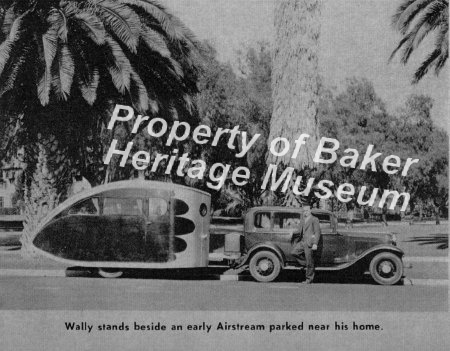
[426,248]
[70,293]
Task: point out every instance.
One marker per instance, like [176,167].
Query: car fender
[381,247]
[364,256]
[269,246]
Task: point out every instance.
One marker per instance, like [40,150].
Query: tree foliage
[65,64]
[415,20]
[227,99]
[357,117]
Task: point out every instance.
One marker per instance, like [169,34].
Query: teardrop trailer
[129,225]
[154,225]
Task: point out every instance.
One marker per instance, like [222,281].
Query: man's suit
[307,234]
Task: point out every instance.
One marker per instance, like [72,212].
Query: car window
[283,220]
[123,206]
[326,220]
[262,220]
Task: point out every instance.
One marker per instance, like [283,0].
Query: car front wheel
[386,268]
[265,266]
[110,272]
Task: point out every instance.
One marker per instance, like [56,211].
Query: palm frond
[9,77]
[442,40]
[170,24]
[8,20]
[121,20]
[425,66]
[88,87]
[416,19]
[58,17]
[409,13]
[7,46]
[64,72]
[92,25]
[431,18]
[141,103]
[50,45]
[399,46]
[154,41]
[119,67]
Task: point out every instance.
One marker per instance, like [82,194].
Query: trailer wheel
[265,266]
[110,272]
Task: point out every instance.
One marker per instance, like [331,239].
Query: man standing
[305,241]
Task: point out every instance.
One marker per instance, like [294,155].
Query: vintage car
[265,246]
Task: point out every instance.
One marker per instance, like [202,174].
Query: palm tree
[295,80]
[415,19]
[64,64]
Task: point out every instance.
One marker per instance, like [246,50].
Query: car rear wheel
[386,268]
[110,272]
[265,266]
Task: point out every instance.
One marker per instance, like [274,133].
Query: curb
[32,273]
[442,259]
[221,277]
[427,282]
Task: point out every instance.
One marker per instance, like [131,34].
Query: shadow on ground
[441,240]
[287,276]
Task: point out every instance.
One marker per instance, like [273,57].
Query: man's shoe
[307,281]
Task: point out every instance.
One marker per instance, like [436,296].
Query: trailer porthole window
[203,210]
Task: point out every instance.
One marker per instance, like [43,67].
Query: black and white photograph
[224,174]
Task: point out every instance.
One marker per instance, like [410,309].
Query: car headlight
[391,238]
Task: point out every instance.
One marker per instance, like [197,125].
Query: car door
[261,230]
[334,247]
[284,224]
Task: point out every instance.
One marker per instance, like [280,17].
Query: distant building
[7,190]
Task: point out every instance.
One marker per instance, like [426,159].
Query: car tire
[265,266]
[110,273]
[386,268]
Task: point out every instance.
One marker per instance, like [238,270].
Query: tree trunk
[48,177]
[295,78]
[436,213]
[295,82]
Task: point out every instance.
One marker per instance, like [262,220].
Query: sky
[356,41]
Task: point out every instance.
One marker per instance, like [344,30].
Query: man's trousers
[305,257]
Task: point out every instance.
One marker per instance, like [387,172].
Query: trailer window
[157,207]
[88,206]
[123,206]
